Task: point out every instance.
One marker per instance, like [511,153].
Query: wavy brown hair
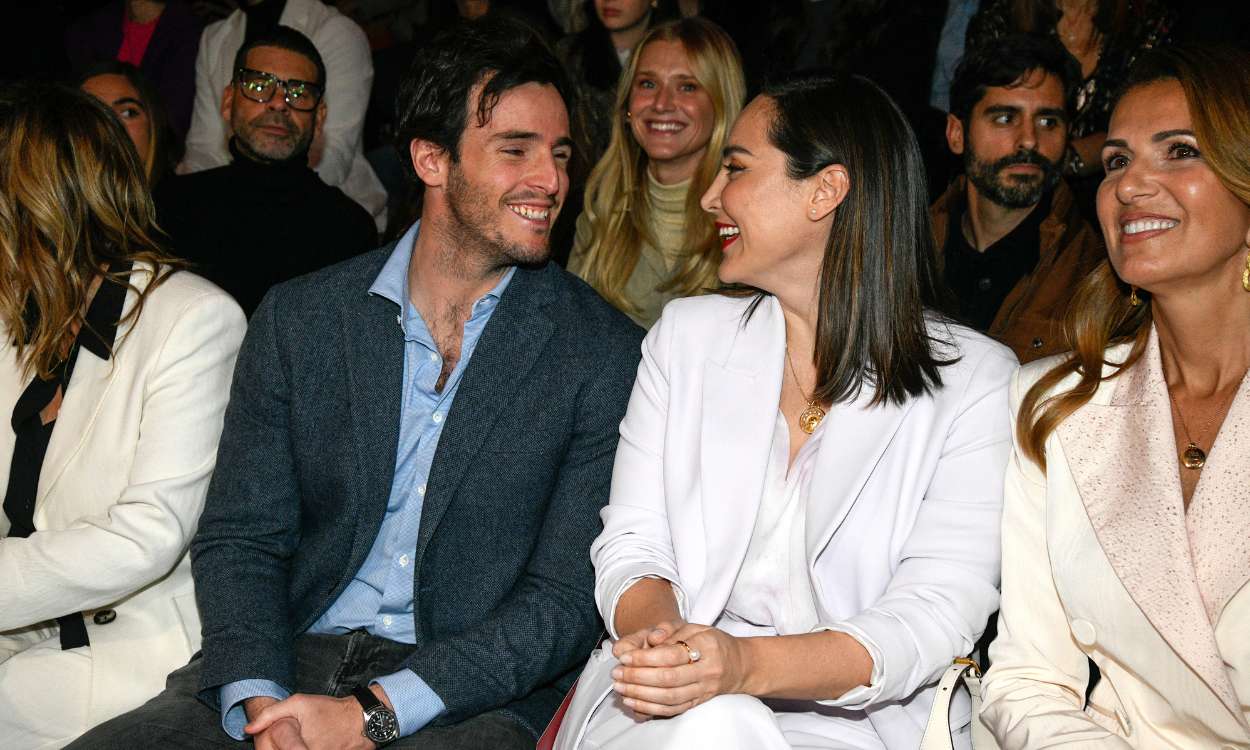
[616,203]
[1217,78]
[73,201]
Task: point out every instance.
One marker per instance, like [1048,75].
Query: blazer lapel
[91,378]
[1219,513]
[82,401]
[375,367]
[1123,459]
[740,399]
[856,436]
[510,346]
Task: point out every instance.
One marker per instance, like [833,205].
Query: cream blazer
[120,491]
[904,505]
[349,75]
[1099,562]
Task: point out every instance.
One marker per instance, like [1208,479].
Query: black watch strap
[368,701]
[381,726]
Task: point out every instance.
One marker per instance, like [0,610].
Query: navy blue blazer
[503,588]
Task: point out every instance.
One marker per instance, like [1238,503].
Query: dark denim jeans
[325,664]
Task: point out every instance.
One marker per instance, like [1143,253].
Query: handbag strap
[937,733]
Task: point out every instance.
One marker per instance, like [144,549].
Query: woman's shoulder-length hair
[878,285]
[74,202]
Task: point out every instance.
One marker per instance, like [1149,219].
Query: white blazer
[903,521]
[349,76]
[1100,561]
[121,489]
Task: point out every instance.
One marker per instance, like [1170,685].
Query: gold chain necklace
[1194,457]
[811,416]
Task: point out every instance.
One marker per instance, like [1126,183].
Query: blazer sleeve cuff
[621,583]
[878,634]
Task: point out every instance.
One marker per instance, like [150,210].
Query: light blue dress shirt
[379,598]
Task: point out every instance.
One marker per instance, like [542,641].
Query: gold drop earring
[1134,300]
[1245,275]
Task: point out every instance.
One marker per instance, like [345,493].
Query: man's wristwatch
[381,726]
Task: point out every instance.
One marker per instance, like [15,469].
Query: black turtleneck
[249,225]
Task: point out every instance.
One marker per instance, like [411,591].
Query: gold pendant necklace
[810,417]
[1193,457]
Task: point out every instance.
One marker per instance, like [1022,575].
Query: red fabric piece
[135,38]
[548,740]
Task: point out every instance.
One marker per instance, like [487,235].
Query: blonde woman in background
[1126,527]
[642,238]
[115,369]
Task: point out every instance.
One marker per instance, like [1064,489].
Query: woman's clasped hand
[659,676]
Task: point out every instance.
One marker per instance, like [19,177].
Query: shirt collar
[392,282]
[100,332]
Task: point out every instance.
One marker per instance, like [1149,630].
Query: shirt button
[421,490]
[433,357]
[386,621]
[984,284]
[437,417]
[403,561]
[1084,632]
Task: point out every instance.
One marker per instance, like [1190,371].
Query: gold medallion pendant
[810,418]
[1193,457]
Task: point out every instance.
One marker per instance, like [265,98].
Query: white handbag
[937,733]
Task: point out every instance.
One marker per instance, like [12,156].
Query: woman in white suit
[114,375]
[1126,532]
[803,526]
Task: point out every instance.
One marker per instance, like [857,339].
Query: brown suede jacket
[1030,320]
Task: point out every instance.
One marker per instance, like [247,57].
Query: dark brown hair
[878,280]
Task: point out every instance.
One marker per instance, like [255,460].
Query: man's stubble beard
[476,227]
[299,146]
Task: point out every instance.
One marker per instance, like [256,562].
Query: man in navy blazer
[418,442]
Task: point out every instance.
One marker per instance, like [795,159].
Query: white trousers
[43,690]
[598,720]
[727,722]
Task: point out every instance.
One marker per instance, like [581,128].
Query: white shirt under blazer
[120,493]
[902,525]
[1102,562]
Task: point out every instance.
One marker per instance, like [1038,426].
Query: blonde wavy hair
[616,202]
[1216,83]
[73,200]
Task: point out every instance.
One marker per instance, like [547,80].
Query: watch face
[381,725]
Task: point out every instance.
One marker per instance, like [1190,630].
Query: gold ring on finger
[691,653]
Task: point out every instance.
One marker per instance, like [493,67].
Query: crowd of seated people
[802,428]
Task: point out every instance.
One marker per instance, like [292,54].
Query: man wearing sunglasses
[267,216]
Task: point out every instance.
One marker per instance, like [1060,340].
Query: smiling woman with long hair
[1126,528]
[114,374]
[642,238]
[803,527]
